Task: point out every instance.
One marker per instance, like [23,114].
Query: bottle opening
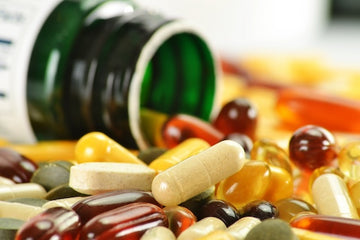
[177,73]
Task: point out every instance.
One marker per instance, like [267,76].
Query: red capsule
[128,222]
[97,204]
[237,116]
[181,127]
[343,228]
[180,218]
[311,147]
[53,223]
[15,166]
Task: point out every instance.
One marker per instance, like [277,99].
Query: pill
[271,229]
[98,147]
[197,173]
[18,210]
[158,233]
[9,227]
[179,218]
[52,223]
[52,174]
[202,228]
[22,190]
[331,196]
[242,227]
[97,177]
[184,150]
[6,181]
[92,206]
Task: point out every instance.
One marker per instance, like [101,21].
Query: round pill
[197,173]
[271,229]
[97,177]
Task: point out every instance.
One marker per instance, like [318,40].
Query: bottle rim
[156,40]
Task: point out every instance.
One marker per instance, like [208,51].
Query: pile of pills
[228,179]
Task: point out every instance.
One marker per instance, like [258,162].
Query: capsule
[130,221]
[18,211]
[340,227]
[242,227]
[98,177]
[310,235]
[217,234]
[15,166]
[91,206]
[299,107]
[197,173]
[22,190]
[98,147]
[53,223]
[177,154]
[202,228]
[331,196]
[181,126]
[238,190]
[180,218]
[158,233]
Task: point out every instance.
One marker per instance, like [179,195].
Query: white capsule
[197,173]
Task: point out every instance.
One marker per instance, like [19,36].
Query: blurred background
[237,28]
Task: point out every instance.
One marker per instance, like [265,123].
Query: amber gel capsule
[197,173]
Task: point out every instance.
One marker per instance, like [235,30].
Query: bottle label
[20,23]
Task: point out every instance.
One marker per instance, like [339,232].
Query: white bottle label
[20,23]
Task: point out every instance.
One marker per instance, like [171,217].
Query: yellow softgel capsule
[331,196]
[281,184]
[186,149]
[98,147]
[246,185]
[197,173]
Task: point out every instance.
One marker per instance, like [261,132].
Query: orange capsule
[248,184]
[299,107]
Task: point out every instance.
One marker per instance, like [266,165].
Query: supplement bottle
[68,67]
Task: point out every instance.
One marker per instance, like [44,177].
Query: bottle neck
[137,60]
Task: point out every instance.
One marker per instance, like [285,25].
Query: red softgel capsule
[94,205]
[15,166]
[128,222]
[311,147]
[237,116]
[53,223]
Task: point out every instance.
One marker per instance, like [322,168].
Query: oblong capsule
[130,221]
[53,223]
[185,149]
[158,233]
[340,227]
[202,228]
[331,196]
[91,206]
[22,190]
[197,173]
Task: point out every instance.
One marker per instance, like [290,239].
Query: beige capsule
[158,233]
[21,190]
[202,228]
[331,196]
[197,173]
[242,227]
[19,211]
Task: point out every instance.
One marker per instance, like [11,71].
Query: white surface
[238,27]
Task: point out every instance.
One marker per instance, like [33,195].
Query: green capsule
[272,229]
